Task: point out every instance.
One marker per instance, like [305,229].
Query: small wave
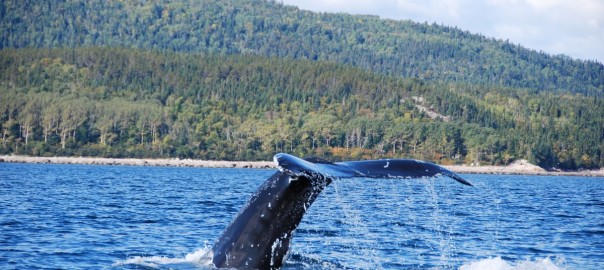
[12,222]
[201,258]
[299,261]
[500,264]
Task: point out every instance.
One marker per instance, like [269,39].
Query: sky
[571,27]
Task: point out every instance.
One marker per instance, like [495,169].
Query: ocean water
[119,217]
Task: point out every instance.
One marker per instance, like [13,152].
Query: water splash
[498,263]
[201,258]
[387,224]
[440,228]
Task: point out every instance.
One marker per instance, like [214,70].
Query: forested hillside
[138,103]
[258,27]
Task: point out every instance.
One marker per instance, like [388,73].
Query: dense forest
[259,27]
[138,103]
[243,79]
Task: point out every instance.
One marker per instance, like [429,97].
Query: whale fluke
[260,234]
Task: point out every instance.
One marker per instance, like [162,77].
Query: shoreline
[172,162]
[520,167]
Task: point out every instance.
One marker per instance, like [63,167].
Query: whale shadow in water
[260,235]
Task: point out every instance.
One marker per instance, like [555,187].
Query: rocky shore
[139,162]
[521,167]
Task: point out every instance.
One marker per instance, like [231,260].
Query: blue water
[119,217]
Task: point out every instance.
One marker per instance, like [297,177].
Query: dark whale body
[259,237]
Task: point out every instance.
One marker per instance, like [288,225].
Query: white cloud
[544,4]
[574,28]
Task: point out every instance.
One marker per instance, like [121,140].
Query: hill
[137,103]
[258,27]
[243,79]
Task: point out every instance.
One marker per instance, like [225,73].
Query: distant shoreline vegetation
[518,167]
[128,103]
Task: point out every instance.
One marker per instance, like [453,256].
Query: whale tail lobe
[386,168]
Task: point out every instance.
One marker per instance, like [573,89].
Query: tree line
[401,48]
[137,103]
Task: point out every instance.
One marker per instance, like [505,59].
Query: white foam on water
[199,258]
[498,263]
